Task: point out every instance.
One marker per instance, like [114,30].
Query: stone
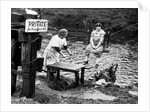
[134,93]
[100,82]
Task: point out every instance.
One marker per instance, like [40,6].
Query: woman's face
[98,28]
[63,36]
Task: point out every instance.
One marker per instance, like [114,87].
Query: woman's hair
[98,25]
[62,32]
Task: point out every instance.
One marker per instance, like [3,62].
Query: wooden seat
[75,68]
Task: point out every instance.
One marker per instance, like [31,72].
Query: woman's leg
[98,52]
[87,53]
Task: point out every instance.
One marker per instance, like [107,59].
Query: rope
[35,39]
[123,29]
[30,62]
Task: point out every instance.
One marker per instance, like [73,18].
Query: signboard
[36,25]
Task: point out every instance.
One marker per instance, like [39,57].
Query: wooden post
[82,75]
[28,59]
[50,74]
[77,78]
[13,60]
[58,74]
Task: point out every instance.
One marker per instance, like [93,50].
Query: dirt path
[127,78]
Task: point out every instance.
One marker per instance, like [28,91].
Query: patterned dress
[96,37]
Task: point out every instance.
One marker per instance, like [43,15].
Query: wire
[35,39]
[123,29]
[30,61]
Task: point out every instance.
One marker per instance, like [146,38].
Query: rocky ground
[63,91]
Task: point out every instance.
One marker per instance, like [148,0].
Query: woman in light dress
[96,44]
[53,50]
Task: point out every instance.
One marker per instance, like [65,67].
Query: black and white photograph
[94,53]
[74,55]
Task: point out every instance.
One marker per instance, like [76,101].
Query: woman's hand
[70,53]
[94,51]
[63,55]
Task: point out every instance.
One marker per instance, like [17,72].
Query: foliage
[124,20]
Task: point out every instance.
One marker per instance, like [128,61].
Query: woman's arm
[59,51]
[62,54]
[91,41]
[100,41]
[68,50]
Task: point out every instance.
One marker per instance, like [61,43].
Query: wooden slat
[19,73]
[13,29]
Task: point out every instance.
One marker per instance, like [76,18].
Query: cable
[35,39]
[30,61]
[123,29]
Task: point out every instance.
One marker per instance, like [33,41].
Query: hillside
[122,49]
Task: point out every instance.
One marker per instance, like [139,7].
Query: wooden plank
[66,67]
[19,73]
[13,29]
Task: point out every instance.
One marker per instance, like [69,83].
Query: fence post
[28,60]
